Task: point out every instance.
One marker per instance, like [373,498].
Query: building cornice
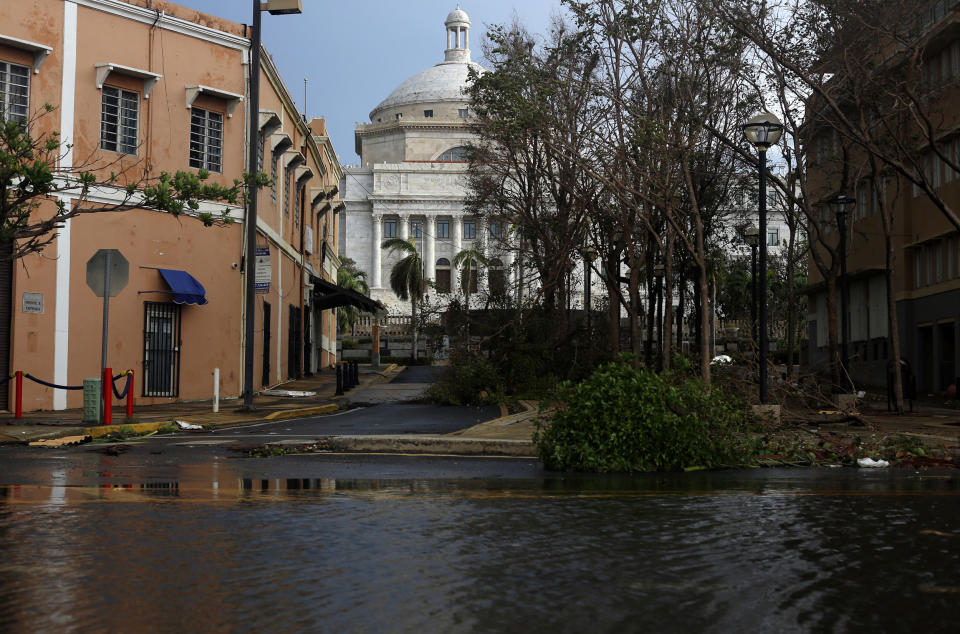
[161,19]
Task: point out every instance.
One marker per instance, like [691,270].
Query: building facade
[926,246]
[166,91]
[410,181]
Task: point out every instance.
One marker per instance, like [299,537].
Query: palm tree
[350,277]
[406,278]
[473,260]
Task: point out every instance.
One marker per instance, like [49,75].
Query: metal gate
[161,349]
[295,344]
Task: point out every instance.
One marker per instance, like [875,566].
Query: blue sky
[355,53]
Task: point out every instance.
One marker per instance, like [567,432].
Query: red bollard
[19,406]
[106,387]
[130,395]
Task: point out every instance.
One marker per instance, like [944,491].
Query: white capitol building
[410,183]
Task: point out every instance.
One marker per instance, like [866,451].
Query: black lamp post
[589,255]
[275,7]
[751,236]
[658,275]
[840,206]
[762,131]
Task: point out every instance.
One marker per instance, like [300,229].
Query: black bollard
[339,379]
[356,373]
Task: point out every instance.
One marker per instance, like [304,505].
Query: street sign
[119,271]
[262,270]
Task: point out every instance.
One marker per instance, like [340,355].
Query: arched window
[497,277]
[443,275]
[454,155]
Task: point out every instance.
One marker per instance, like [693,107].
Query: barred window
[14,92]
[118,120]
[273,179]
[206,139]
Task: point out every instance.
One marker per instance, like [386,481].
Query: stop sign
[119,271]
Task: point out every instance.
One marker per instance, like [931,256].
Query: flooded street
[393,543]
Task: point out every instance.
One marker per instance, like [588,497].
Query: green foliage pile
[469,380]
[621,419]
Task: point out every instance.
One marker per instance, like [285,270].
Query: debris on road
[289,393]
[870,463]
[66,441]
[182,424]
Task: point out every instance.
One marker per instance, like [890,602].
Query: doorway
[161,349]
[948,352]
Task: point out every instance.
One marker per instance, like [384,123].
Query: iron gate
[161,349]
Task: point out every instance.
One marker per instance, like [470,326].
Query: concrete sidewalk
[48,425]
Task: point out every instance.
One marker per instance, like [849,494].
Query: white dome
[458,16]
[446,81]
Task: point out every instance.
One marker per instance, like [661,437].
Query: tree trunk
[681,293]
[791,297]
[704,293]
[667,323]
[893,329]
[635,311]
[613,307]
[413,325]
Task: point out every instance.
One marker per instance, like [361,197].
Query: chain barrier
[126,388]
[53,385]
[7,380]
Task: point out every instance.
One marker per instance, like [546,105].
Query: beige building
[154,86]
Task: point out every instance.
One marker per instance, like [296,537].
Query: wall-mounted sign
[263,270]
[33,303]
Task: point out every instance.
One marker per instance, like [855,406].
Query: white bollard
[216,390]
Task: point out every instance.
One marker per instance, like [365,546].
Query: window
[495,229]
[454,155]
[443,275]
[273,179]
[917,267]
[14,92]
[206,139]
[261,140]
[773,237]
[497,279]
[950,258]
[469,230]
[390,228]
[463,112]
[938,259]
[118,120]
[428,114]
[416,228]
[287,186]
[929,251]
[443,228]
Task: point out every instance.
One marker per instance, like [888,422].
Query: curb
[303,411]
[434,445]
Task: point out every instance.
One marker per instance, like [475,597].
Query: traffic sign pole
[103,343]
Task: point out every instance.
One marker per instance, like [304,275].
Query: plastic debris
[861,394]
[723,358]
[185,425]
[870,463]
[291,393]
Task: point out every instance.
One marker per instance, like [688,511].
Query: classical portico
[410,183]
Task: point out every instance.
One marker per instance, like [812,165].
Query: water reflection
[221,547]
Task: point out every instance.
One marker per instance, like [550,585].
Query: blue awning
[186,289]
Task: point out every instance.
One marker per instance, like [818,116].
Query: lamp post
[752,237]
[840,205]
[658,275]
[589,255]
[762,131]
[275,7]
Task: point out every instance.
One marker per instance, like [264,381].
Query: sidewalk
[46,425]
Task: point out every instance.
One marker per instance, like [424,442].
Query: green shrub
[622,420]
[469,380]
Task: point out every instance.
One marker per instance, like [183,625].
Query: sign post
[107,274]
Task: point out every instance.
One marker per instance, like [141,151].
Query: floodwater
[259,545]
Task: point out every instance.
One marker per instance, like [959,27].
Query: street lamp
[751,236]
[840,206]
[762,131]
[589,255]
[274,7]
[658,275]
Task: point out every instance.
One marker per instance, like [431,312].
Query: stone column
[430,257]
[456,226]
[377,232]
[404,231]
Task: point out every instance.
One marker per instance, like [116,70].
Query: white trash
[870,463]
[185,425]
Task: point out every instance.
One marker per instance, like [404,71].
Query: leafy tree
[349,276]
[34,182]
[407,279]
